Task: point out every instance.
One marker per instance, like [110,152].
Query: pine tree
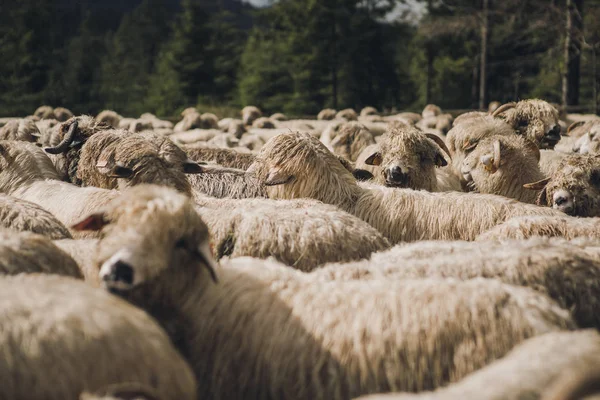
[131,55]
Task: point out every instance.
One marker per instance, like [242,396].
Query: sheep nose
[554,133]
[395,176]
[118,275]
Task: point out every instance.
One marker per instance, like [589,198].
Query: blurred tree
[26,44]
[130,57]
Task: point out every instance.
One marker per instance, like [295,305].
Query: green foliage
[130,57]
[295,56]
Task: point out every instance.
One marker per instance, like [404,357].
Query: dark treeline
[296,56]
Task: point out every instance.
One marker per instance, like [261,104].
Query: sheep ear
[542,199]
[362,175]
[537,185]
[278,177]
[114,170]
[374,159]
[93,222]
[191,167]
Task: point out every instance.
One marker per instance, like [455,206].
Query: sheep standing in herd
[171,274]
[258,264]
[296,165]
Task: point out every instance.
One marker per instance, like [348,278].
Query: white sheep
[61,337]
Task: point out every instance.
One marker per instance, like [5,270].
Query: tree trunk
[475,84]
[484,54]
[572,53]
[334,62]
[595,80]
[430,58]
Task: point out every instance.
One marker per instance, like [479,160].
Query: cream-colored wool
[560,270]
[463,138]
[61,337]
[26,252]
[226,157]
[250,114]
[525,227]
[535,119]
[109,117]
[301,234]
[296,165]
[20,129]
[527,372]
[502,165]
[25,216]
[326,114]
[82,251]
[28,174]
[147,158]
[577,179]
[351,139]
[322,339]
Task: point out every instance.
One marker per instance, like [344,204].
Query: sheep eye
[181,244]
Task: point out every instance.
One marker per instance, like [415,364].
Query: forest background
[295,56]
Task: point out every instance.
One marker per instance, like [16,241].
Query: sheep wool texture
[527,372]
[21,215]
[20,129]
[60,338]
[322,348]
[227,183]
[351,139]
[525,227]
[299,234]
[296,165]
[25,252]
[562,271]
[579,176]
[517,165]
[28,174]
[225,157]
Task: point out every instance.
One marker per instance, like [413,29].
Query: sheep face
[351,139]
[574,188]
[147,158]
[146,234]
[296,165]
[497,165]
[535,119]
[463,138]
[408,158]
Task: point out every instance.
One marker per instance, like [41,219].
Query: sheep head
[501,165]
[463,138]
[535,119]
[153,243]
[574,188]
[75,132]
[146,158]
[351,138]
[408,157]
[297,165]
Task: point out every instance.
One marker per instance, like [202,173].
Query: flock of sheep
[410,256]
